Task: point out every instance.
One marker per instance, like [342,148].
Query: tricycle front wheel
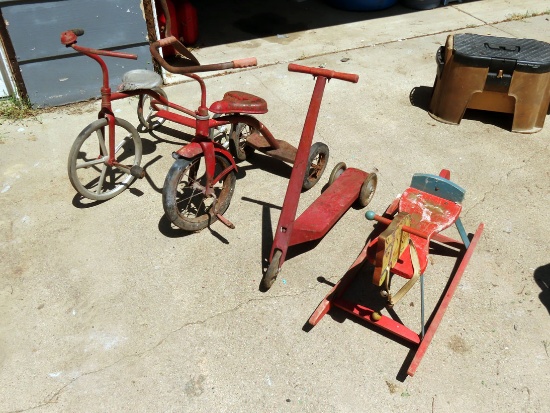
[90,171]
[184,195]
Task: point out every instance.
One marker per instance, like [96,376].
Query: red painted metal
[294,188]
[325,211]
[194,148]
[420,231]
[442,307]
[326,73]
[385,323]
[235,101]
[237,105]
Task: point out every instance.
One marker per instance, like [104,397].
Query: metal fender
[193,149]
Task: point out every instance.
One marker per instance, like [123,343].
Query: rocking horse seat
[239,102]
[430,214]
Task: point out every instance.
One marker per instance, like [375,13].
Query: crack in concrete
[471,15]
[505,176]
[484,23]
[55,396]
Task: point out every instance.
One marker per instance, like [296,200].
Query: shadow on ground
[229,21]
[542,278]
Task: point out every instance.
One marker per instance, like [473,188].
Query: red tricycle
[199,186]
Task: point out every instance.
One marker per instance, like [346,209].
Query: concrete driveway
[107,307]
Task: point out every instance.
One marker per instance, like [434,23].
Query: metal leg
[462,232]
[421,306]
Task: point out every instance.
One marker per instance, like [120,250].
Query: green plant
[526,15]
[14,109]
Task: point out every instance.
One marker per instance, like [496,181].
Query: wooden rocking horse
[412,222]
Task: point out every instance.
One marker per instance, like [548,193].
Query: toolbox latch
[500,75]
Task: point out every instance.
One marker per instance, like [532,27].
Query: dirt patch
[458,345]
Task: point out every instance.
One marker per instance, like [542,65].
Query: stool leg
[454,89]
[532,93]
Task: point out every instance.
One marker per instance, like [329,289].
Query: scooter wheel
[336,172]
[272,271]
[367,190]
[317,162]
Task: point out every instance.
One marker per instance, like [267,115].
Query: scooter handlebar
[329,74]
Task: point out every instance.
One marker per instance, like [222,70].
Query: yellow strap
[416,274]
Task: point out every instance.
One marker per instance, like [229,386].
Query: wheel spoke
[121,144]
[91,163]
[101,179]
[101,139]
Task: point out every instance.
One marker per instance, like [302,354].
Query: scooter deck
[326,210]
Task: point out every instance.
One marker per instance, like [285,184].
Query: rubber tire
[336,172]
[144,100]
[368,188]
[272,271]
[206,217]
[95,128]
[314,171]
[240,151]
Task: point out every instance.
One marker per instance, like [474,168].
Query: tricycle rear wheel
[239,146]
[146,114]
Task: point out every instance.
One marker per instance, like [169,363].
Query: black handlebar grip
[77,32]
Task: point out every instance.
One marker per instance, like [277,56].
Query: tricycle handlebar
[87,50]
[194,66]
[330,74]
[68,38]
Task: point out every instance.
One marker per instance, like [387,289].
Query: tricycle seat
[140,79]
[239,102]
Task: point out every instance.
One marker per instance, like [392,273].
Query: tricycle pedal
[225,221]
[137,171]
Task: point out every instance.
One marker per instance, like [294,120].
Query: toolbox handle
[329,74]
[504,48]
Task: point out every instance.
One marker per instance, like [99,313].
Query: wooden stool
[492,73]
